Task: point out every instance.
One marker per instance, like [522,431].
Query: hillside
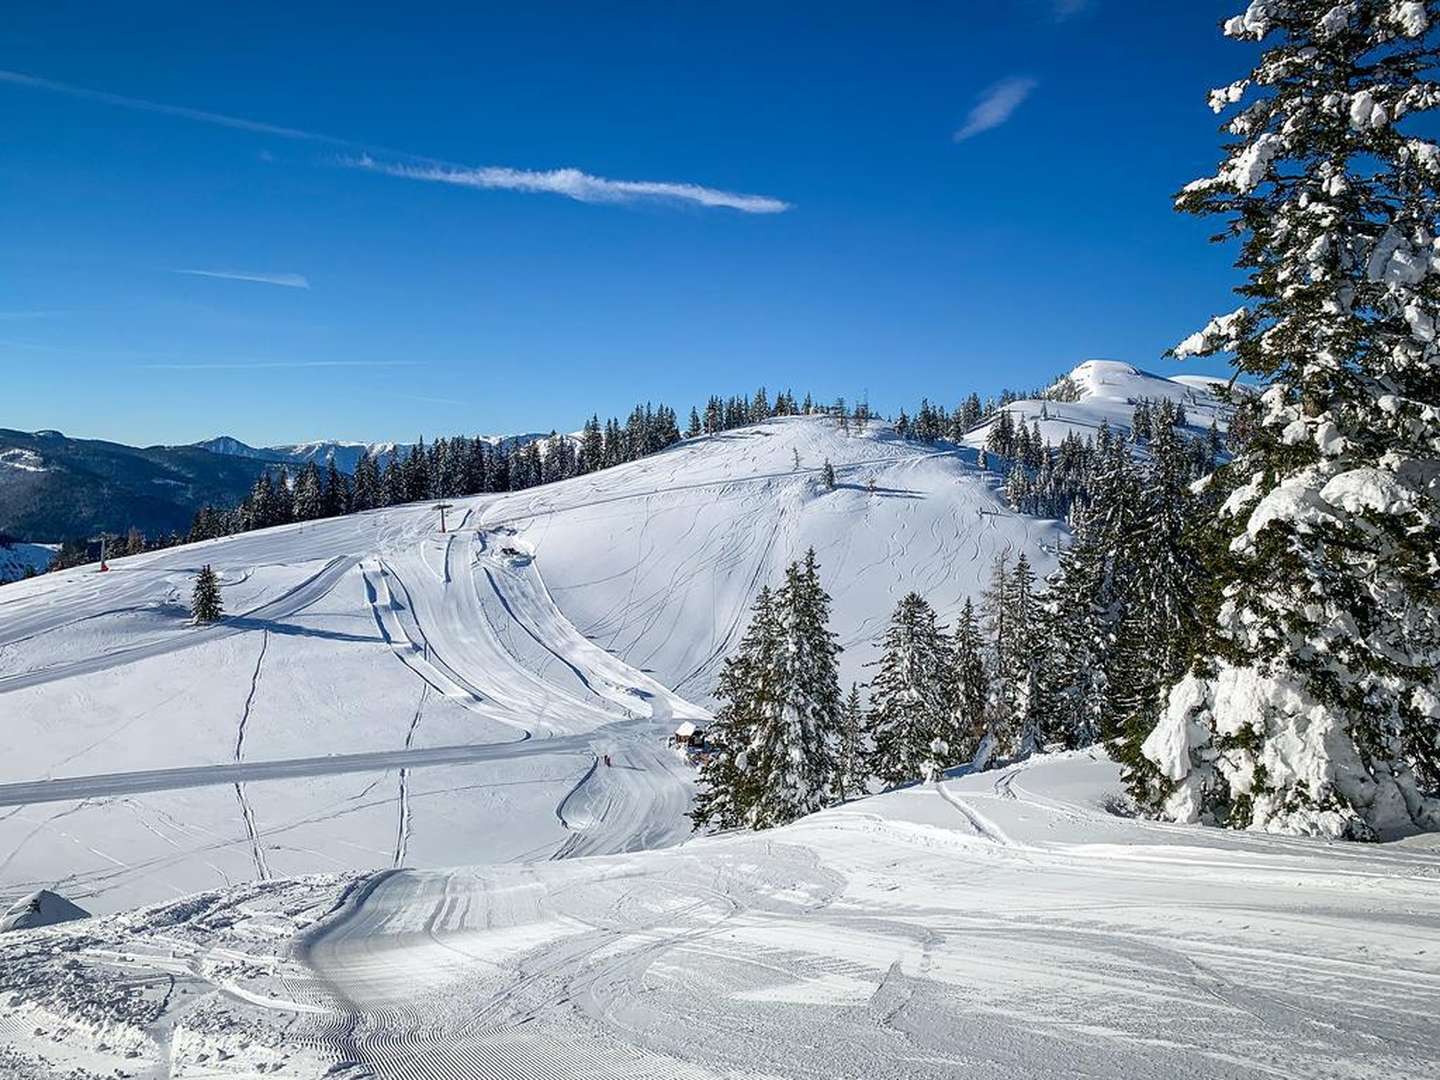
[1108,391]
[376,777]
[581,617]
[54,488]
[17,558]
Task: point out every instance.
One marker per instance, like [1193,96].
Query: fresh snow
[586,617]
[1109,391]
[998,925]
[385,704]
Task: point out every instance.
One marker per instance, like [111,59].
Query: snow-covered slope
[1000,926]
[16,558]
[361,707]
[1108,393]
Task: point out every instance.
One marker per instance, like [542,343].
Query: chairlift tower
[442,507]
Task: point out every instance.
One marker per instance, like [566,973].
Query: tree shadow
[886,492]
[246,622]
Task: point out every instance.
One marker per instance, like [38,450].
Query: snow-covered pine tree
[912,727]
[729,790]
[308,499]
[1025,657]
[1157,633]
[827,475]
[799,754]
[778,729]
[205,603]
[995,609]
[1079,643]
[850,779]
[970,691]
[367,490]
[1317,709]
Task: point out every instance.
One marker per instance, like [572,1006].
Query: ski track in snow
[247,812]
[996,925]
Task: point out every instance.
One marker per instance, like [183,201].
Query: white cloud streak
[289,281]
[1066,9]
[141,105]
[995,106]
[573,184]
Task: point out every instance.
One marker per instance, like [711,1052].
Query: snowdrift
[1000,925]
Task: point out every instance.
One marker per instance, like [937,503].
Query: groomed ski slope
[1000,925]
[480,675]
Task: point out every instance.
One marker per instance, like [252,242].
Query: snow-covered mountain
[53,487]
[17,557]
[386,703]
[1107,391]
[344,454]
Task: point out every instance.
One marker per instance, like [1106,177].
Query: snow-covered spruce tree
[1158,629]
[1025,658]
[779,726]
[729,786]
[912,728]
[1080,642]
[970,691]
[850,780]
[205,603]
[995,609]
[1317,709]
[799,754]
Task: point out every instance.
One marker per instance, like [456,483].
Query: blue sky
[344,221]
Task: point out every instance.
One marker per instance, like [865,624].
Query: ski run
[364,824]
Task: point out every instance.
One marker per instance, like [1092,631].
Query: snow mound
[42,908]
[1108,391]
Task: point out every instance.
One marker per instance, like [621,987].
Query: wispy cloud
[289,281]
[16,316]
[995,106]
[140,104]
[570,182]
[1066,9]
[261,365]
[573,184]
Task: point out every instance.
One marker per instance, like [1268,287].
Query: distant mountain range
[53,487]
[322,451]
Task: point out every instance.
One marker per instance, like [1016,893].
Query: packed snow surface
[997,925]
[384,695]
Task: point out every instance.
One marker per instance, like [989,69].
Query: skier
[607,761]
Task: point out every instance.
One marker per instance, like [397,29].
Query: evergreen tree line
[1084,657]
[457,466]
